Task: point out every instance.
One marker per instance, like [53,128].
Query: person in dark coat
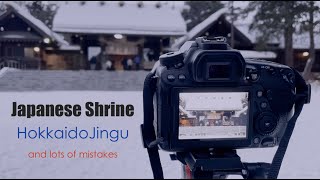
[93,62]
[124,63]
[137,61]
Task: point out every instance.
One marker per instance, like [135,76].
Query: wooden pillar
[84,51]
[40,63]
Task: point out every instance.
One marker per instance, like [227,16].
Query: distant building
[26,42]
[246,41]
[117,31]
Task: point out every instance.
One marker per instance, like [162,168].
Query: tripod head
[218,164]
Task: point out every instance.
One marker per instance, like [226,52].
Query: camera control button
[254,76]
[256,140]
[281,71]
[182,77]
[263,105]
[266,123]
[268,142]
[259,93]
[290,78]
[171,77]
[272,71]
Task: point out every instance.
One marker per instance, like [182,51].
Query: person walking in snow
[129,64]
[109,65]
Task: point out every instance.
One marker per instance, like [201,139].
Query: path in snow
[301,161]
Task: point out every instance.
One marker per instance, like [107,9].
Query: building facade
[26,42]
[119,35]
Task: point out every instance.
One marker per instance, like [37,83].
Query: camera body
[209,96]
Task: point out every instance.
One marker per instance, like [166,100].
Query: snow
[258,54]
[301,161]
[212,101]
[70,47]
[178,43]
[111,18]
[14,36]
[25,13]
[302,41]
[5,70]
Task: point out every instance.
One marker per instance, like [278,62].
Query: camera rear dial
[266,123]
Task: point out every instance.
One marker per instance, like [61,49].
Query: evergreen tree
[198,11]
[43,11]
[275,19]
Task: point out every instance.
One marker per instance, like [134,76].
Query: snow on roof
[243,23]
[213,101]
[25,13]
[110,18]
[179,42]
[206,23]
[70,47]
[200,27]
[258,54]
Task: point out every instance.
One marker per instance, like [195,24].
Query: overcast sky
[176,4]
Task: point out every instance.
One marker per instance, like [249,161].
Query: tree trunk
[289,47]
[289,30]
[307,70]
[232,25]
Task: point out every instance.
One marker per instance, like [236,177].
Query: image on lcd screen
[218,115]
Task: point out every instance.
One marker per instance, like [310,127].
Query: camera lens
[217,71]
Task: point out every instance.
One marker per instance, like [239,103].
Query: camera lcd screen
[216,115]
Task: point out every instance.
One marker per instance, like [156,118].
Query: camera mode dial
[172,59]
[266,123]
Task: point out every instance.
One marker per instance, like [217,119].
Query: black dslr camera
[207,96]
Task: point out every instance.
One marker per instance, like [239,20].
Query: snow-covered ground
[301,161]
